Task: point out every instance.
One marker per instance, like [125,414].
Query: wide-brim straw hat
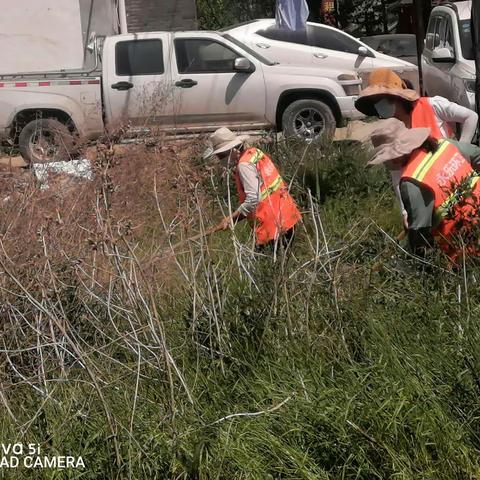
[223,140]
[381,82]
[392,139]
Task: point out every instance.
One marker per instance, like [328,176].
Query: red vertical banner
[327,12]
[328,6]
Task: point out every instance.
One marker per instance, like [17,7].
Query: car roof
[463,9]
[267,22]
[390,35]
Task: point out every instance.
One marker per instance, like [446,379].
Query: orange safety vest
[276,212]
[423,115]
[456,191]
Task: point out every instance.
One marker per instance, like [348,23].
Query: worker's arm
[395,176]
[451,112]
[470,152]
[419,204]
[250,180]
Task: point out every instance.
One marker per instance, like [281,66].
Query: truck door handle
[122,86]
[320,55]
[186,83]
[263,45]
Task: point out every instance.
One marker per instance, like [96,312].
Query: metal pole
[122,14]
[475,30]
[420,34]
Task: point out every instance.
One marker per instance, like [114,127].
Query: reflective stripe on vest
[276,184]
[455,188]
[273,187]
[256,157]
[428,161]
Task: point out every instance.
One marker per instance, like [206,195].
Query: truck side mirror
[365,52]
[443,55]
[92,43]
[243,65]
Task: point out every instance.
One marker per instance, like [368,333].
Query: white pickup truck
[179,82]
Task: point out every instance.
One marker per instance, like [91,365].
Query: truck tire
[45,140]
[308,120]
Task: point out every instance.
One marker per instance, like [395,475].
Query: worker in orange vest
[438,186]
[263,194]
[387,96]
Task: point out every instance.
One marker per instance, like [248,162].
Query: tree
[359,17]
[216,14]
[368,17]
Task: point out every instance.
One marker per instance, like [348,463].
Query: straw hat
[223,140]
[392,139]
[383,81]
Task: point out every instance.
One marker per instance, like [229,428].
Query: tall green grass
[342,358]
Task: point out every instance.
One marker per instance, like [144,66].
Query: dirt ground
[144,195]
[154,193]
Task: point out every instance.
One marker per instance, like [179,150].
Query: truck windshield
[466,39]
[251,52]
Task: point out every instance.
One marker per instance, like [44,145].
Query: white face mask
[385,108]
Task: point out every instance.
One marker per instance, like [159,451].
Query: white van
[448,57]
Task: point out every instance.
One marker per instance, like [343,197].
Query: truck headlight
[469,84]
[350,83]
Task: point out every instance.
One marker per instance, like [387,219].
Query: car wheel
[308,120]
[45,140]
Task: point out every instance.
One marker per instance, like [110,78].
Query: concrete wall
[48,35]
[161,15]
[40,35]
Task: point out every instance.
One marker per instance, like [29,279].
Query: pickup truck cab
[182,82]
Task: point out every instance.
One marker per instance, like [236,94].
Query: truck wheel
[45,140]
[308,120]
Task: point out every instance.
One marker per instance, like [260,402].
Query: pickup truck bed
[79,98]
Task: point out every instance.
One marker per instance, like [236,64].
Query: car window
[398,46]
[440,32]
[139,57]
[371,42]
[321,37]
[387,47]
[444,34]
[198,55]
[283,35]
[430,38]
[464,27]
[447,40]
[247,49]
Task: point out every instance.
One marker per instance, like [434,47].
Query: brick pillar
[161,15]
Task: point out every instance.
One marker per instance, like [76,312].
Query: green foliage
[341,359]
[358,17]
[216,14]
[369,17]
